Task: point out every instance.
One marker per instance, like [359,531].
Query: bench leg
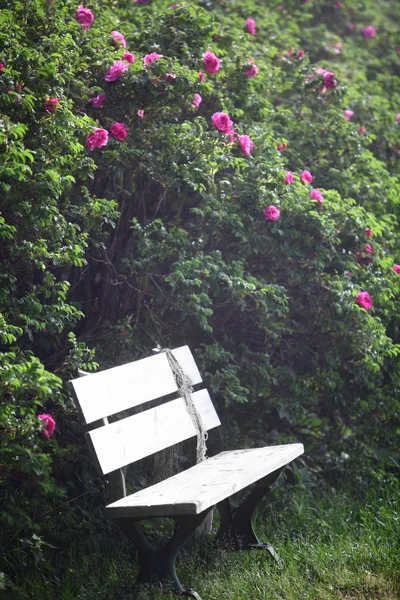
[235,523]
[158,566]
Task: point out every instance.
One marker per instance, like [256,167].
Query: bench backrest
[113,391]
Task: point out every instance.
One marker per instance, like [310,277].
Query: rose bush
[164,221]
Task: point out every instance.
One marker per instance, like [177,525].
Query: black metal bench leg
[158,566]
[236,523]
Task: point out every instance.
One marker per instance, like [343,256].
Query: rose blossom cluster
[305,177]
[220,120]
[99,136]
[223,123]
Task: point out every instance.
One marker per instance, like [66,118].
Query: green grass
[334,547]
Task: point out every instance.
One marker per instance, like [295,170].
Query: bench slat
[150,431]
[114,390]
[205,484]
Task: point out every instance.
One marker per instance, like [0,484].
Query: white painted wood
[150,431]
[114,390]
[206,484]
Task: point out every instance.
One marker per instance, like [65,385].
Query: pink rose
[97,138]
[201,76]
[398,118]
[140,113]
[364,300]
[118,38]
[129,57]
[2,66]
[339,4]
[250,26]
[173,6]
[368,32]
[115,71]
[368,231]
[348,114]
[84,16]
[351,26]
[361,130]
[97,101]
[221,121]
[118,131]
[197,100]
[49,425]
[316,195]
[396,269]
[149,58]
[271,213]
[51,105]
[210,62]
[281,147]
[362,256]
[170,77]
[289,178]
[245,143]
[250,71]
[328,79]
[349,274]
[300,53]
[305,177]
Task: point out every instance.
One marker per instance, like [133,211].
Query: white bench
[189,496]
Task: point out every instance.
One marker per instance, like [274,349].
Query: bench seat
[138,410]
[204,485]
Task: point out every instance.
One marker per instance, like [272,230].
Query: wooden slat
[206,484]
[114,390]
[140,435]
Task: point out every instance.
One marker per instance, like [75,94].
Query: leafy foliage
[161,238]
